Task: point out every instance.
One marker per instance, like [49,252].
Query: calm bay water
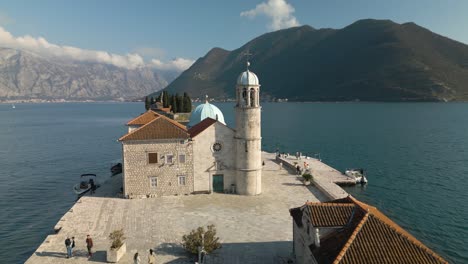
[416,156]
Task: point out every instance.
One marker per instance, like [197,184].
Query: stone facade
[302,239]
[248,136]
[138,172]
[208,162]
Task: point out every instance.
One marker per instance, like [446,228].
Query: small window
[152,158]
[181,158]
[169,158]
[217,147]
[181,180]
[154,182]
[182,142]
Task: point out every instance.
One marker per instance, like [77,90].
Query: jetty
[252,229]
[325,178]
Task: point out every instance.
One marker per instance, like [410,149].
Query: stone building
[349,231]
[163,157]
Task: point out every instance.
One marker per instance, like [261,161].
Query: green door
[218,183]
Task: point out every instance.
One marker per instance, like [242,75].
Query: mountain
[369,60]
[25,75]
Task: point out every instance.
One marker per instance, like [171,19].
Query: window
[217,147]
[182,180]
[169,158]
[181,158]
[154,182]
[182,142]
[152,158]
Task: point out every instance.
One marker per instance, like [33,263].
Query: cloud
[150,52]
[279,11]
[177,64]
[44,48]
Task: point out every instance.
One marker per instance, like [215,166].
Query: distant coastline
[282,100]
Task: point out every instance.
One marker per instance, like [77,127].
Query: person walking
[89,245]
[68,246]
[136,259]
[151,257]
[72,246]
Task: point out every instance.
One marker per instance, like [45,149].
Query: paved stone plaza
[252,229]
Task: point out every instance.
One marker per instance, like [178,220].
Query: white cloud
[44,48]
[150,52]
[279,11]
[177,64]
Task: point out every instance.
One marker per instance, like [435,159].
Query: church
[163,157]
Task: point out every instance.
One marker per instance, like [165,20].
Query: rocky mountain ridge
[25,75]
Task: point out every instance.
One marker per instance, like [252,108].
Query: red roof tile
[366,236]
[144,118]
[160,128]
[200,127]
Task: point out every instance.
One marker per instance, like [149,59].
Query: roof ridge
[330,204]
[141,115]
[134,131]
[179,125]
[351,239]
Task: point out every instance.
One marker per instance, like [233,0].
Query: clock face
[217,147]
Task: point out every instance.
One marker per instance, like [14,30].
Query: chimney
[316,237]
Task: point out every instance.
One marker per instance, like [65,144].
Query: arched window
[244,96]
[252,97]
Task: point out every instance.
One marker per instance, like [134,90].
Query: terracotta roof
[366,236]
[330,214]
[144,118]
[160,128]
[200,127]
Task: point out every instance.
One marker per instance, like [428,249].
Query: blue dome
[204,111]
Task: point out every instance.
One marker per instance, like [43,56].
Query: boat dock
[325,178]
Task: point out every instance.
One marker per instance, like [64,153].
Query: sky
[172,34]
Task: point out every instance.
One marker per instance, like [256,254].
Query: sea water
[415,156]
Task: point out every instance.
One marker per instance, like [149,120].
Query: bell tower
[248,134]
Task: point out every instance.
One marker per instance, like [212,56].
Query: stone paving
[325,178]
[252,229]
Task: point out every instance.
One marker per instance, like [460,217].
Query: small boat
[13,106]
[116,169]
[87,183]
[357,174]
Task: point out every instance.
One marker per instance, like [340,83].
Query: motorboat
[87,183]
[357,174]
[116,169]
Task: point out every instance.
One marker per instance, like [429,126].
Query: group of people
[70,245]
[151,258]
[305,169]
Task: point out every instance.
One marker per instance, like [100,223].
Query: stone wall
[249,153]
[137,170]
[303,238]
[208,162]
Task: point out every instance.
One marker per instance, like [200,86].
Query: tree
[187,103]
[166,102]
[180,103]
[193,241]
[174,104]
[147,102]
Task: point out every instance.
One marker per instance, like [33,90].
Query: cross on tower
[247,54]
